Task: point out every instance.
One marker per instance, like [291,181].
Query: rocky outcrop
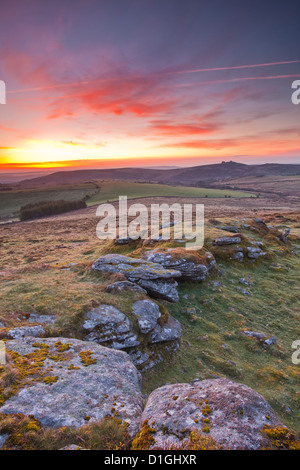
[157,272]
[265,340]
[108,326]
[147,313]
[244,291]
[146,334]
[24,331]
[229,228]
[285,234]
[153,277]
[134,269]
[69,382]
[3,438]
[162,337]
[233,414]
[228,240]
[160,289]
[238,255]
[73,447]
[255,252]
[122,241]
[121,286]
[257,243]
[43,319]
[246,282]
[36,331]
[193,266]
[170,331]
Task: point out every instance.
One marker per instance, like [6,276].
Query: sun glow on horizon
[49,153]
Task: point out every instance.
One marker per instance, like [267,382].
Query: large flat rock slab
[158,281]
[134,269]
[232,414]
[193,265]
[73,382]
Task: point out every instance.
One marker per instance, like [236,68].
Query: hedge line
[45,208]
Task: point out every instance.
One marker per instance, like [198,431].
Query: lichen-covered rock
[229,228]
[246,282]
[161,289]
[65,382]
[3,438]
[170,331]
[266,340]
[153,277]
[228,240]
[43,319]
[139,335]
[147,313]
[233,414]
[194,266]
[108,326]
[254,252]
[244,291]
[285,234]
[24,331]
[257,243]
[238,256]
[73,447]
[138,357]
[122,241]
[121,286]
[134,269]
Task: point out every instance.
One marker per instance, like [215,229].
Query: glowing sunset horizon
[118,84]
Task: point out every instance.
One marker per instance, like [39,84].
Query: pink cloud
[217,144]
[139,96]
[163,127]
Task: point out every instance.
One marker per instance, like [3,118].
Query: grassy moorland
[97,193]
[45,269]
[12,201]
[267,184]
[110,191]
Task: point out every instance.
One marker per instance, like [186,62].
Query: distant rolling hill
[198,175]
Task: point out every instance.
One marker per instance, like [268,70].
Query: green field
[110,191]
[12,201]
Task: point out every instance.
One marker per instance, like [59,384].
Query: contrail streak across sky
[179,72]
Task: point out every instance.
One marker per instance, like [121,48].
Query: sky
[114,83]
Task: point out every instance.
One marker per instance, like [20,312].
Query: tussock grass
[26,433]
